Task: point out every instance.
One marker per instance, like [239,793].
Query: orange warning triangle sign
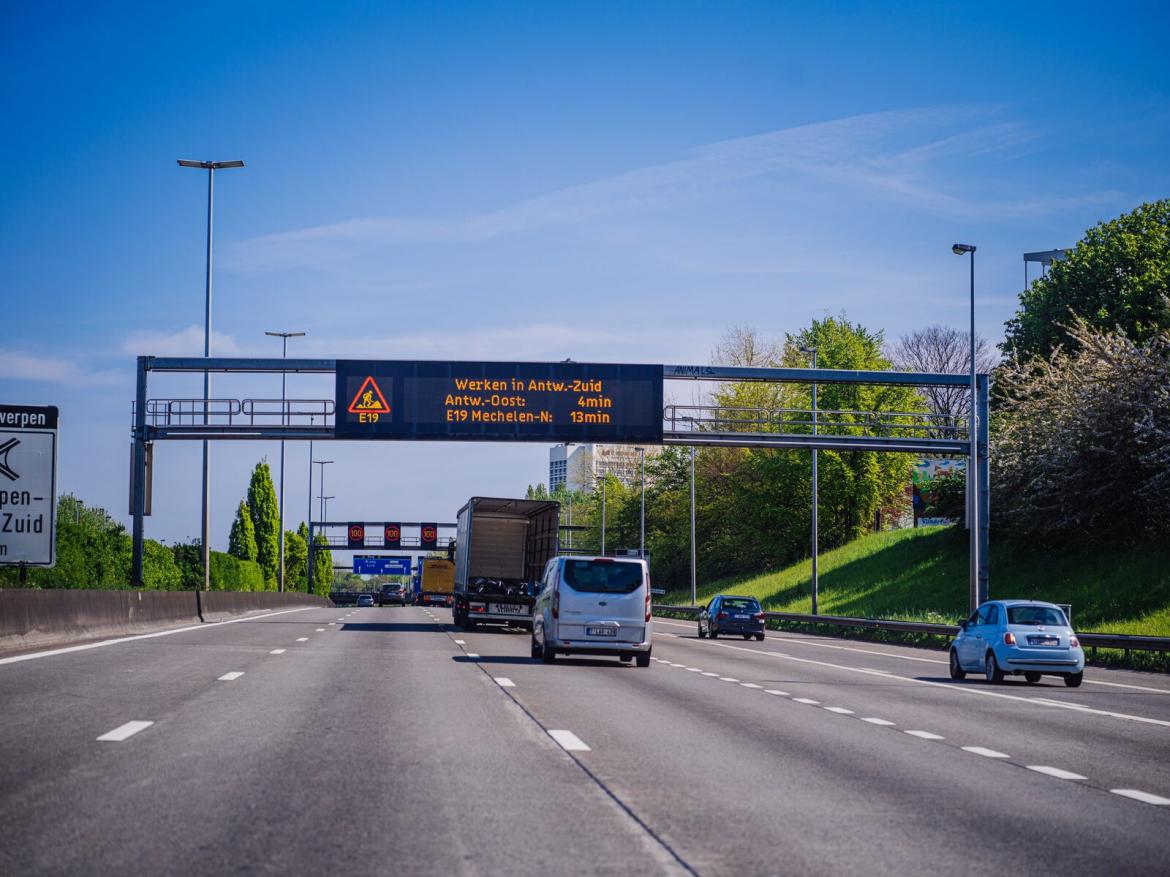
[369,399]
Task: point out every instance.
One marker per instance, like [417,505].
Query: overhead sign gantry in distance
[506,401]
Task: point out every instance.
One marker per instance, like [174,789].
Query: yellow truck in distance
[436,582]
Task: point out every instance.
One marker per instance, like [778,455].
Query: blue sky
[610,182]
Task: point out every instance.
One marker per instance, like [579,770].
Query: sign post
[28,485]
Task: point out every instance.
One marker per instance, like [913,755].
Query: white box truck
[501,548]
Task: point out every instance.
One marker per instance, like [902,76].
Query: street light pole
[321,495]
[973,456]
[603,516]
[815,502]
[211,167]
[693,576]
[283,336]
[642,528]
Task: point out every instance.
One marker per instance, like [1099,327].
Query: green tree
[322,565]
[189,560]
[1117,277]
[296,561]
[159,570]
[265,520]
[92,551]
[242,539]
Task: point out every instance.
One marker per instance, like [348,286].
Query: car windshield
[1036,615]
[602,576]
[741,605]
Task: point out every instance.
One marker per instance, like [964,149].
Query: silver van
[593,606]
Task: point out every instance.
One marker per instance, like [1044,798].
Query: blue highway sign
[373,565]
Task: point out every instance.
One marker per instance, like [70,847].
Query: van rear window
[602,577]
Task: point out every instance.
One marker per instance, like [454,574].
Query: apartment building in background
[577,467]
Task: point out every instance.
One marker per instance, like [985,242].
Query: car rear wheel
[713,633]
[625,659]
[747,636]
[1073,680]
[1032,677]
[536,649]
[957,671]
[759,637]
[991,669]
[547,655]
[642,659]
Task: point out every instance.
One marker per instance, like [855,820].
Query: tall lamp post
[211,167]
[815,540]
[693,576]
[321,495]
[603,516]
[283,336]
[973,456]
[642,524]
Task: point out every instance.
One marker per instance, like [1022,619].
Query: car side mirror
[962,625]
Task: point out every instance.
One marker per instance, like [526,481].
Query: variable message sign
[502,401]
[373,565]
[28,485]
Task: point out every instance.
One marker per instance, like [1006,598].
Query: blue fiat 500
[1018,637]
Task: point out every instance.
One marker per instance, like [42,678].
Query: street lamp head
[806,349]
[960,249]
[285,334]
[209,165]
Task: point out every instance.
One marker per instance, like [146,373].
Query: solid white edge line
[1055,772]
[230,677]
[951,686]
[504,682]
[126,639]
[277,652]
[804,642]
[569,741]
[1144,797]
[985,752]
[926,735]
[122,732]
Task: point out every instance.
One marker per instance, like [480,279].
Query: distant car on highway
[393,594]
[730,615]
[1013,637]
[593,606]
[365,600]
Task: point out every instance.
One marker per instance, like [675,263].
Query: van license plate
[507,609]
[601,631]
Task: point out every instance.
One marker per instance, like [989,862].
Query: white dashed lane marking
[122,732]
[277,652]
[474,655]
[302,639]
[776,691]
[839,710]
[986,753]
[460,642]
[505,682]
[926,735]
[750,685]
[1144,797]
[885,723]
[728,679]
[1055,772]
[807,700]
[230,677]
[320,630]
[569,741]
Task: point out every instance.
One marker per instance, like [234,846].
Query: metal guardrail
[1123,641]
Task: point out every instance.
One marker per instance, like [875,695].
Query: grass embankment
[922,575]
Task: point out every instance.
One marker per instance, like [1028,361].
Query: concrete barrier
[35,618]
[223,605]
[32,618]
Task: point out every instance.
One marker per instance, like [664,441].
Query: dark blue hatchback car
[730,615]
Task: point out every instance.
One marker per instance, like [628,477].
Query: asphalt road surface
[384,741]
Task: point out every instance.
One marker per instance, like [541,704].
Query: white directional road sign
[28,485]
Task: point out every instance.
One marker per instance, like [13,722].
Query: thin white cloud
[18,366]
[185,342]
[894,157]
